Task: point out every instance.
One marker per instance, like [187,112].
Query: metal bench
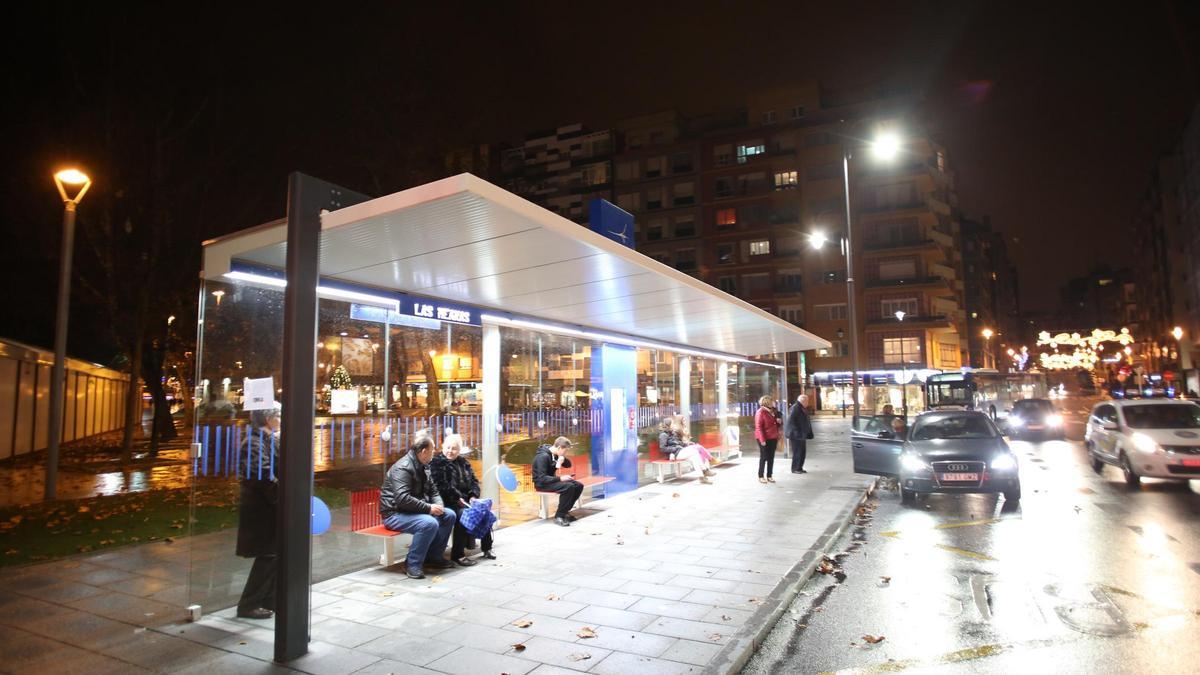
[365,520]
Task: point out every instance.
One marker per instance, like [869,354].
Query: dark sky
[1052,115]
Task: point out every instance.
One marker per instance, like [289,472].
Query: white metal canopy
[465,240]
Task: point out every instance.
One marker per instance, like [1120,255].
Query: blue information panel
[610,220]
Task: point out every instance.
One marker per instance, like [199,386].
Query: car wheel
[907,496]
[1013,495]
[1131,477]
[1097,463]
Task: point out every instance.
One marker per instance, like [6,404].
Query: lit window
[726,217]
[785,179]
[901,350]
[769,117]
[751,149]
[761,247]
[889,306]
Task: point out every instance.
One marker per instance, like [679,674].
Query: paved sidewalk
[675,578]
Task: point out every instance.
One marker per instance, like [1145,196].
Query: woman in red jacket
[766,432]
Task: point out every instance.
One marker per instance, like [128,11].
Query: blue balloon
[506,477]
[321,517]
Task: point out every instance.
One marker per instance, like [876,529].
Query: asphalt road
[1084,575]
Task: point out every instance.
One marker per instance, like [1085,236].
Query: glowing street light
[987,333]
[67,181]
[817,239]
[899,315]
[886,146]
[1177,332]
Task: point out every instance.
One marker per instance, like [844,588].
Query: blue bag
[478,518]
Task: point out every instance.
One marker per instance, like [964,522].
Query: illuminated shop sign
[418,313]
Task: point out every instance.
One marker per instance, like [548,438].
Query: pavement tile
[730,600]
[613,617]
[556,653]
[389,667]
[468,661]
[672,608]
[620,663]
[548,626]
[153,650]
[591,581]
[703,583]
[690,651]
[326,659]
[602,598]
[634,642]
[652,590]
[420,604]
[129,608]
[63,592]
[475,595]
[736,617]
[483,615]
[414,624]
[556,608]
[356,610]
[98,576]
[346,633]
[234,664]
[699,631]
[412,649]
[648,576]
[480,637]
[751,577]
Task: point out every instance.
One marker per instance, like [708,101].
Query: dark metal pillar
[307,197]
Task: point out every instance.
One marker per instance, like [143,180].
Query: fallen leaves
[726,617]
[675,494]
[885,580]
[831,567]
[586,632]
[519,647]
[873,639]
[715,637]
[579,656]
[522,623]
[552,597]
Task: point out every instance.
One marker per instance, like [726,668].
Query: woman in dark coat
[455,481]
[257,457]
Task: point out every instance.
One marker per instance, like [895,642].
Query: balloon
[321,517]
[506,477]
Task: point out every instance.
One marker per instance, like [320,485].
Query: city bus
[986,390]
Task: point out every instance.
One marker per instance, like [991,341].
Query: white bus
[986,390]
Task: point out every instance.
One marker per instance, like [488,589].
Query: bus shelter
[452,307]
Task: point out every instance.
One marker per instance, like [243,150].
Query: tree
[340,378]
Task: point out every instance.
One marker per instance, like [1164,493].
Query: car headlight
[910,462]
[1144,443]
[1054,420]
[1005,462]
[1014,421]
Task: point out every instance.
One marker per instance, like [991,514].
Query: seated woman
[456,483]
[683,449]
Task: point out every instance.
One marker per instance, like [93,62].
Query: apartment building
[561,170]
[991,296]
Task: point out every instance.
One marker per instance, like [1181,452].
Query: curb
[734,657]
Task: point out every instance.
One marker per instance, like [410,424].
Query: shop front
[452,308]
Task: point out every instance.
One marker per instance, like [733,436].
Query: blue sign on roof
[610,220]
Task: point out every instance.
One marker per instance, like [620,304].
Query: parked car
[944,451]
[1157,438]
[1034,418]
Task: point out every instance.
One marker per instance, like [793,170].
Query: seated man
[546,463]
[408,502]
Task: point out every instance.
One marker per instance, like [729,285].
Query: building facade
[1187,300]
[990,285]
[560,170]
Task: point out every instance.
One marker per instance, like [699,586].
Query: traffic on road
[1081,570]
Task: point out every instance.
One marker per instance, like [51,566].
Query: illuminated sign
[431,310]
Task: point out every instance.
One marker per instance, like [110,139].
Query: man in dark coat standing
[258,455]
[546,463]
[799,431]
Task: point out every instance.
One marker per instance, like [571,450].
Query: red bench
[365,519]
[587,481]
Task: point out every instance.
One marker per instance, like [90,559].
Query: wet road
[1084,575]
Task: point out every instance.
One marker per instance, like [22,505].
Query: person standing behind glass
[455,481]
[799,432]
[766,432]
[257,457]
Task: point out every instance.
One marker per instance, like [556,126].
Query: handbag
[477,519]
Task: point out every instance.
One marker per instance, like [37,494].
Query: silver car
[1158,438]
[946,451]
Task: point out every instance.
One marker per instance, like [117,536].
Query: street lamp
[987,351]
[67,181]
[885,146]
[903,369]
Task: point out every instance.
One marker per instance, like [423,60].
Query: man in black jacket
[546,463]
[408,502]
[798,432]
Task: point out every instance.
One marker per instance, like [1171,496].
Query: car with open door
[959,451]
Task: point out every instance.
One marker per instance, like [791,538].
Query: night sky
[1052,116]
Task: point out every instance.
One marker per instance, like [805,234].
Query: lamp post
[987,350]
[884,146]
[73,179]
[903,369]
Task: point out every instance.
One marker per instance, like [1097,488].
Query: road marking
[965,552]
[969,523]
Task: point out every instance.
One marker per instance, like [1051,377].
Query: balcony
[910,321]
[909,281]
[886,208]
[938,203]
[941,238]
[943,271]
[788,289]
[905,242]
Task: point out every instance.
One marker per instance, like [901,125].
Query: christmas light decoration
[340,378]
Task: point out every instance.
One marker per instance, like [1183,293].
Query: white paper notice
[616,406]
[343,401]
[258,394]
[651,395]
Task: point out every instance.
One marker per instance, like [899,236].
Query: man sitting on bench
[408,502]
[546,463]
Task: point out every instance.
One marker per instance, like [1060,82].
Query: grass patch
[40,532]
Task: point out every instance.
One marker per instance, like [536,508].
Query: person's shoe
[797,472]
[442,564]
[414,574]
[803,471]
[256,613]
[705,479]
[761,479]
[709,472]
[471,547]
[464,562]
[489,555]
[570,517]
[770,480]
[562,521]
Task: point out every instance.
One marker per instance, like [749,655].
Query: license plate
[1191,462]
[1035,426]
[949,477]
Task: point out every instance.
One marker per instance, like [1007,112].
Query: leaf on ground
[519,647]
[873,639]
[586,632]
[386,594]
[715,637]
[726,617]
[552,597]
[436,580]
[753,600]
[675,495]
[886,580]
[647,530]
[580,656]
[522,623]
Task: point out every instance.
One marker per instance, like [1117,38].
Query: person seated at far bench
[673,440]
[408,502]
[455,481]
[546,463]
